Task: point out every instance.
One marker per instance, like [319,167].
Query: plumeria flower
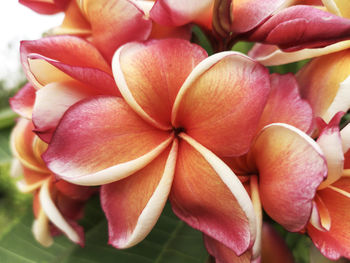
[57,205]
[272,55]
[329,227]
[46,7]
[283,168]
[272,22]
[180,111]
[61,71]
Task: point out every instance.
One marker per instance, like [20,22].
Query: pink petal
[302,26]
[133,205]
[229,219]
[46,7]
[101,140]
[223,96]
[285,104]
[291,167]
[149,75]
[23,102]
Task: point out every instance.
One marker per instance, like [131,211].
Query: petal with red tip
[300,27]
[285,104]
[149,75]
[61,58]
[51,103]
[229,219]
[223,96]
[46,7]
[291,167]
[23,102]
[335,242]
[114,23]
[249,14]
[133,205]
[101,140]
[178,13]
[325,83]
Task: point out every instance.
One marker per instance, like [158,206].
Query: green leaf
[171,240]
[7,118]
[5,153]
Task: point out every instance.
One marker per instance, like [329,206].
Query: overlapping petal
[101,140]
[285,104]
[149,75]
[46,7]
[133,205]
[291,167]
[324,83]
[228,219]
[299,26]
[223,96]
[22,103]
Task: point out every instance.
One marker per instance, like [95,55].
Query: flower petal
[223,96]
[229,219]
[101,140]
[302,26]
[331,144]
[61,58]
[270,55]
[41,230]
[127,21]
[46,7]
[324,83]
[291,167]
[51,103]
[338,7]
[335,242]
[181,12]
[133,205]
[22,103]
[149,75]
[285,104]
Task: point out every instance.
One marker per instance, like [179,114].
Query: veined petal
[248,14]
[331,144]
[101,140]
[270,55]
[178,13]
[285,104]
[134,204]
[335,242]
[22,103]
[51,103]
[291,167]
[127,20]
[55,216]
[324,83]
[60,58]
[149,75]
[299,27]
[21,143]
[223,96]
[229,219]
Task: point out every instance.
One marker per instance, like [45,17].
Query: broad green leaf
[5,154]
[7,118]
[171,240]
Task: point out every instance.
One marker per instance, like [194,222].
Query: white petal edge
[229,179]
[345,138]
[200,69]
[332,149]
[341,101]
[41,231]
[332,7]
[27,188]
[149,216]
[254,188]
[126,93]
[16,169]
[279,57]
[315,218]
[54,214]
[118,171]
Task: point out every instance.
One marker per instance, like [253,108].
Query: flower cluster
[119,97]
